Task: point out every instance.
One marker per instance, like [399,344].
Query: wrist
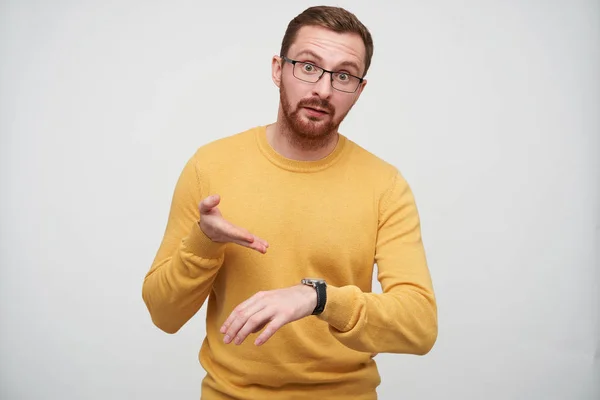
[310,295]
[202,245]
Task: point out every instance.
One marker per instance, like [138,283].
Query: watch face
[312,281]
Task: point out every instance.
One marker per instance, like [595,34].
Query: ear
[359,91]
[276,69]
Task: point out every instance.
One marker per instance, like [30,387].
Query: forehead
[332,48]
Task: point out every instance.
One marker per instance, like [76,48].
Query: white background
[489,108]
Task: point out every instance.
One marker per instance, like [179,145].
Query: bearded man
[280,227]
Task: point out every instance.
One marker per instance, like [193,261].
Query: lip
[317,111]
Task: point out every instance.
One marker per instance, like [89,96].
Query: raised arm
[191,253]
[403,319]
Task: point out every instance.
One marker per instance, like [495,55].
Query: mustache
[317,103]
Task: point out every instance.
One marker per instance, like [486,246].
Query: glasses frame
[294,62]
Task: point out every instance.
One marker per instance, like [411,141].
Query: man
[280,227]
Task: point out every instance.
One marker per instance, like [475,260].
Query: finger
[234,233]
[240,321]
[255,321]
[259,327]
[257,242]
[239,310]
[262,241]
[261,248]
[242,237]
[209,203]
[271,328]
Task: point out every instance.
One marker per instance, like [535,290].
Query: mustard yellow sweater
[332,219]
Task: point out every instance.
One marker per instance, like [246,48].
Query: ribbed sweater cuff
[339,307]
[202,246]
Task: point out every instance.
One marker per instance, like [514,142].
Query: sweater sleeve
[402,319]
[186,264]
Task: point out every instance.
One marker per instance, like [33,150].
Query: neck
[294,147]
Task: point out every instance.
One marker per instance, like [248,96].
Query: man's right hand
[220,230]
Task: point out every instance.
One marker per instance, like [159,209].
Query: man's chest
[314,228]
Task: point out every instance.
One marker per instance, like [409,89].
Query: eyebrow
[320,59]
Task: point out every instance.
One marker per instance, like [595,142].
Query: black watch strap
[321,288]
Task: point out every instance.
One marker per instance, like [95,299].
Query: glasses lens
[345,82]
[307,72]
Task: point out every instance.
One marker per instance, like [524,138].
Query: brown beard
[312,135]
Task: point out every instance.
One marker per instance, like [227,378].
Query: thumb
[209,203]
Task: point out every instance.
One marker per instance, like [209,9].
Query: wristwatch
[321,287]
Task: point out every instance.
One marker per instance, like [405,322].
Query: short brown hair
[334,18]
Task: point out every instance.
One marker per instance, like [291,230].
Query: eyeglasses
[308,72]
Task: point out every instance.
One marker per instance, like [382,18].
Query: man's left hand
[275,308]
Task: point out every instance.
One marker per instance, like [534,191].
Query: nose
[322,87]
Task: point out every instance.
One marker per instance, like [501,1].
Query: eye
[343,76]
[308,68]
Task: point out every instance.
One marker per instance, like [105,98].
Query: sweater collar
[297,165]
